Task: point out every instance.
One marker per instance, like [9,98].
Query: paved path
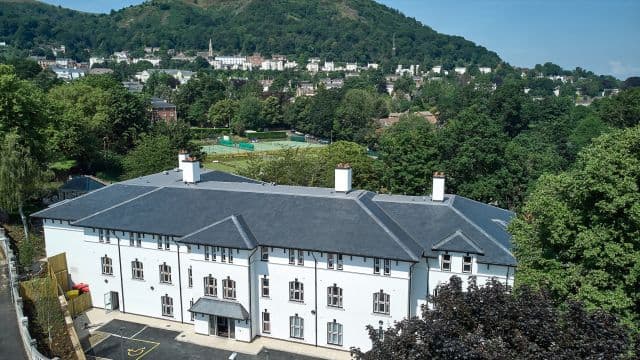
[10,341]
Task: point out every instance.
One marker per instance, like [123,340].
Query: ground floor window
[266,322]
[167,305]
[296,325]
[334,333]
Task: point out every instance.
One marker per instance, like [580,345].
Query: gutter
[409,297]
[179,281]
[315,278]
[250,290]
[121,275]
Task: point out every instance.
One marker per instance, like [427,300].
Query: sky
[597,35]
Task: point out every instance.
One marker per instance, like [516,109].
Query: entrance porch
[222,318]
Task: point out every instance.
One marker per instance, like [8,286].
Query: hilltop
[344,30]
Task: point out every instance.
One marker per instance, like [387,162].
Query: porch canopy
[217,307]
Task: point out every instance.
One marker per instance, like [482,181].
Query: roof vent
[437,191]
[343,178]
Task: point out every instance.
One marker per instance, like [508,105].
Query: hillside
[343,30]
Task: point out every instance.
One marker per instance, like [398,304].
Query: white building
[96,60]
[313,66]
[436,69]
[290,65]
[183,76]
[273,65]
[241,259]
[484,70]
[68,73]
[351,66]
[460,70]
[328,66]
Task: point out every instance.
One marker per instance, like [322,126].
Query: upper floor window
[132,241]
[445,265]
[292,257]
[381,302]
[339,262]
[330,260]
[159,242]
[107,236]
[266,322]
[466,264]
[167,305]
[265,286]
[137,270]
[376,266]
[190,306]
[190,276]
[138,240]
[334,333]
[107,265]
[230,256]
[167,245]
[296,291]
[223,254]
[100,235]
[228,288]
[206,252]
[387,267]
[334,296]
[296,327]
[210,286]
[165,273]
[300,257]
[264,253]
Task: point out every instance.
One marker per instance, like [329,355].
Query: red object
[79,286]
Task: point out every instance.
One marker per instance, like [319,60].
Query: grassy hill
[342,30]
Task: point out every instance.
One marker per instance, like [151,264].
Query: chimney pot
[437,191]
[343,178]
[190,170]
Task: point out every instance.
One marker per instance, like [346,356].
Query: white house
[240,259]
[351,67]
[484,69]
[460,70]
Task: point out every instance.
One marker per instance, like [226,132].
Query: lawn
[231,165]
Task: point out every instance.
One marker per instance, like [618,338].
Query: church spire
[210,48]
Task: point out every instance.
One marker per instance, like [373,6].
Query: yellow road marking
[148,351]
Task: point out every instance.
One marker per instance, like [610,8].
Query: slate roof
[82,183]
[233,211]
[218,307]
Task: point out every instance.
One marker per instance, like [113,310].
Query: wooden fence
[79,304]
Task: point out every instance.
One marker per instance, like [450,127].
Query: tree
[622,110]
[21,178]
[247,116]
[221,113]
[491,322]
[354,120]
[152,154]
[578,231]
[271,111]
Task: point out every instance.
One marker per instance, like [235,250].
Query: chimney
[437,191]
[190,170]
[182,156]
[343,176]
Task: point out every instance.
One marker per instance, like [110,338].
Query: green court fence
[298,138]
[246,146]
[228,143]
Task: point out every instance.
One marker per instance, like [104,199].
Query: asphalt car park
[133,341]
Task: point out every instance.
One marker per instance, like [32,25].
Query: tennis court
[259,146]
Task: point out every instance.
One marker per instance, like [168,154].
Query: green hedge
[208,133]
[267,135]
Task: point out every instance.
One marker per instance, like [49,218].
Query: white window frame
[264,253]
[381,303]
[229,288]
[167,243]
[296,327]
[334,296]
[296,291]
[266,322]
[330,260]
[100,235]
[445,262]
[107,237]
[339,261]
[230,255]
[139,237]
[210,286]
[223,254]
[159,242]
[206,252]
[167,305]
[264,286]
[132,241]
[107,265]
[165,273]
[137,272]
[334,333]
[387,267]
[292,257]
[300,257]
[376,266]
[192,314]
[466,263]
[190,276]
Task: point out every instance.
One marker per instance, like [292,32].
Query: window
[167,246]
[265,286]
[466,264]
[381,302]
[132,241]
[223,255]
[330,260]
[339,256]
[300,257]
[296,291]
[190,276]
[334,333]
[167,305]
[264,253]
[292,257]
[138,239]
[165,273]
[210,286]
[107,265]
[381,332]
[230,256]
[334,296]
[296,327]
[446,262]
[206,252]
[376,266]
[387,267]
[228,288]
[107,237]
[100,235]
[159,242]
[190,312]
[266,322]
[214,252]
[137,271]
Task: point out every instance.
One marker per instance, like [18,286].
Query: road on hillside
[10,341]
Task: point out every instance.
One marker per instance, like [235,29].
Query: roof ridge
[245,232]
[479,228]
[463,236]
[208,227]
[118,204]
[395,237]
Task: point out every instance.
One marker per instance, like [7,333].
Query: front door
[212,324]
[223,326]
[111,301]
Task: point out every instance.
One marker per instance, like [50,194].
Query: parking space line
[98,343]
[150,350]
[136,334]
